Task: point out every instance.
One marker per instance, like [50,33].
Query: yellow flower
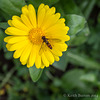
[38,40]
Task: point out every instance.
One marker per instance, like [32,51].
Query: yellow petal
[15,39]
[38,61]
[61,37]
[15,31]
[61,46]
[46,7]
[44,60]
[40,16]
[40,7]
[42,65]
[8,46]
[61,21]
[26,21]
[18,24]
[19,45]
[16,17]
[48,14]
[48,55]
[18,52]
[25,10]
[55,27]
[56,58]
[56,30]
[24,62]
[25,54]
[33,54]
[7,38]
[51,21]
[56,52]
[32,15]
[10,22]
[53,10]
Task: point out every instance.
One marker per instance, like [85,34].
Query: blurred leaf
[62,64]
[4,25]
[18,3]
[36,3]
[90,77]
[85,61]
[4,16]
[35,73]
[80,37]
[11,7]
[75,22]
[60,9]
[98,3]
[8,55]
[97,95]
[71,79]
[70,7]
[99,18]
[7,77]
[87,6]
[57,82]
[1,39]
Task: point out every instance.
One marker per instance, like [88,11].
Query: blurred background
[76,76]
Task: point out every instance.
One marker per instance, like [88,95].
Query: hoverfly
[47,42]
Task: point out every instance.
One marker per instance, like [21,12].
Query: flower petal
[51,21]
[61,37]
[48,54]
[15,31]
[33,54]
[25,54]
[7,38]
[40,7]
[40,16]
[10,22]
[26,21]
[18,24]
[32,15]
[25,10]
[61,46]
[56,58]
[15,39]
[56,52]
[38,61]
[18,52]
[44,60]
[19,45]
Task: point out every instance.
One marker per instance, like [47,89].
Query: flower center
[35,35]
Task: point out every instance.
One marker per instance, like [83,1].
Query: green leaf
[11,7]
[18,3]
[70,7]
[60,9]
[82,60]
[35,73]
[90,77]
[80,37]
[75,22]
[87,6]
[8,55]
[4,25]
[71,79]
[1,39]
[36,3]
[62,64]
